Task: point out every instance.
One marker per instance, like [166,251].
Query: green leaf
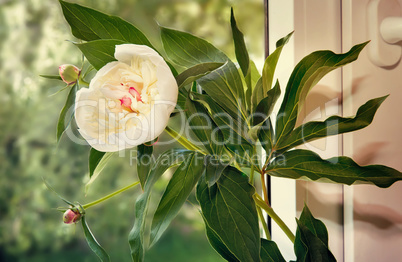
[93,244]
[266,105]
[270,252]
[260,91]
[66,113]
[214,166]
[144,162]
[196,72]
[265,134]
[137,237]
[201,124]
[218,245]
[240,46]
[97,162]
[188,50]
[233,129]
[88,24]
[271,62]
[306,74]
[332,126]
[95,157]
[177,191]
[55,77]
[251,79]
[57,194]
[229,210]
[224,84]
[304,163]
[99,52]
[311,243]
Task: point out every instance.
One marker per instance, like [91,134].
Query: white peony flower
[128,102]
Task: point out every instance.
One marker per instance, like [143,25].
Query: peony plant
[230,140]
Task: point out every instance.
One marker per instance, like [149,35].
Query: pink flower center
[135,94]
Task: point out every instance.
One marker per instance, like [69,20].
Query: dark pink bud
[71,216]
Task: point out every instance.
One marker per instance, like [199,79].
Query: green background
[33,37]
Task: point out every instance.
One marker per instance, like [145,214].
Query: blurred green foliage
[33,37]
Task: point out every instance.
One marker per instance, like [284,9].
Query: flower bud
[71,216]
[69,73]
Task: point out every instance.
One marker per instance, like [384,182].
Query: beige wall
[364,222]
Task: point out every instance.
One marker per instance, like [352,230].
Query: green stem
[261,203]
[264,223]
[110,195]
[183,141]
[252,175]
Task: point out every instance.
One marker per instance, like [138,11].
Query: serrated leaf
[311,243]
[331,126]
[177,191]
[88,24]
[144,163]
[261,89]
[92,243]
[229,210]
[137,237]
[96,164]
[306,74]
[240,46]
[99,52]
[304,163]
[266,105]
[224,84]
[270,252]
[193,73]
[66,113]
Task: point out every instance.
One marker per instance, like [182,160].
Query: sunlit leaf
[270,252]
[304,163]
[306,74]
[229,210]
[99,52]
[88,24]
[311,243]
[261,89]
[144,162]
[240,46]
[137,237]
[177,191]
[92,243]
[196,72]
[331,126]
[66,113]
[251,79]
